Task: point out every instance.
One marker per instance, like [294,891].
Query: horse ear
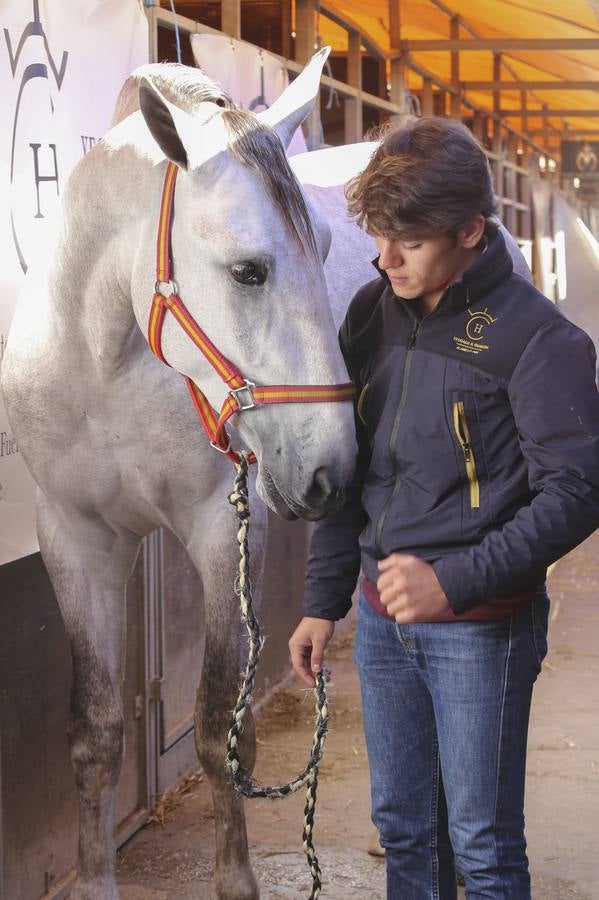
[168,124]
[289,111]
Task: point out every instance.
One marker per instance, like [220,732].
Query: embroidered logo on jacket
[475,332]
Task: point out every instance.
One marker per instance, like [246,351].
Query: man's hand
[410,589]
[307,645]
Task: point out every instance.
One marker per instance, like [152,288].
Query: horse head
[247,256]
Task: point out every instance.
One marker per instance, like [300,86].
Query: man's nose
[390,256]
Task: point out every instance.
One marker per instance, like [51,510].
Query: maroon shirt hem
[495,609]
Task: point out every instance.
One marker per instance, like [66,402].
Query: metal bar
[152,14]
[500,45]
[152,550]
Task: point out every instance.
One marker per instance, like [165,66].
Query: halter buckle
[222,449]
[166,288]
[243,396]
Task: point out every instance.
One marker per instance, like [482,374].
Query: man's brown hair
[429,175]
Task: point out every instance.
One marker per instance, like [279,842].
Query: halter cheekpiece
[243,394]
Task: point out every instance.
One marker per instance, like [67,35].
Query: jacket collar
[490,269]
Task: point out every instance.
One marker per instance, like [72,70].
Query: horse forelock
[184,86]
[257,145]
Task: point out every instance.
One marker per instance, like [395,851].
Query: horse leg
[216,555]
[89,565]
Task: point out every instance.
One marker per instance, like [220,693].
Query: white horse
[110,434]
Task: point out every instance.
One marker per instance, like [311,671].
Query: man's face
[422,268]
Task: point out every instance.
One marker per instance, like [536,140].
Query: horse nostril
[321,489]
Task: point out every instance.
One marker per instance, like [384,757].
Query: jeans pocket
[539,623]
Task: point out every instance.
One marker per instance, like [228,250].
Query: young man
[478,427]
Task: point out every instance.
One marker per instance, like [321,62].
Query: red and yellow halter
[243,394]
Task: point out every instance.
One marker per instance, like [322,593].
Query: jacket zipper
[460,424]
[394,431]
[361,401]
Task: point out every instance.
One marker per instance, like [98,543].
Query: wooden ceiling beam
[455,101]
[500,45]
[570,135]
[537,113]
[349,24]
[436,80]
[530,85]
[466,26]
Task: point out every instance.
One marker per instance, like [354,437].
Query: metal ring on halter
[166,288]
[247,389]
[222,449]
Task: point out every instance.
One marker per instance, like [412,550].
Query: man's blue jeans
[446,709]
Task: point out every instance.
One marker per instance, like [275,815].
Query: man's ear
[471,233]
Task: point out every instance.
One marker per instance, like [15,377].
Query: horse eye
[248,272]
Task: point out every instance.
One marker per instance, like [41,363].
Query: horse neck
[108,204]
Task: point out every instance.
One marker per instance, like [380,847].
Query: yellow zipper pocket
[361,402]
[460,425]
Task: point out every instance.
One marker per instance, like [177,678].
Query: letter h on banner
[39,178]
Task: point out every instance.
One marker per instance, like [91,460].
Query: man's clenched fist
[410,590]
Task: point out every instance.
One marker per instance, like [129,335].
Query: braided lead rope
[240,776]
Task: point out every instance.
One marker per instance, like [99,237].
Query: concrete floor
[174,861]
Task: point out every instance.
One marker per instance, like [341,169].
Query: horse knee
[96,751]
[96,728]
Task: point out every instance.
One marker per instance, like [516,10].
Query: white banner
[62,64]
[253,77]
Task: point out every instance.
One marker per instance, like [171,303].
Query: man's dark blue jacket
[478,429]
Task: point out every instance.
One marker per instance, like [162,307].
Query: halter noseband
[243,394]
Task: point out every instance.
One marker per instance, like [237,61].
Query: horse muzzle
[322,497]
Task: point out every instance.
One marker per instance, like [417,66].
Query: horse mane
[250,141]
